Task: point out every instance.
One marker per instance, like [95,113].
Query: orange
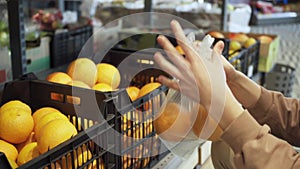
[133,92]
[30,139]
[108,74]
[76,100]
[54,166]
[46,119]
[38,114]
[173,123]
[54,133]
[146,160]
[16,104]
[15,125]
[83,69]
[149,87]
[235,45]
[201,119]
[12,163]
[249,42]
[240,37]
[78,84]
[101,164]
[179,49]
[264,39]
[216,34]
[103,87]
[9,150]
[29,152]
[81,156]
[59,77]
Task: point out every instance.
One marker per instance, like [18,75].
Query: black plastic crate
[134,119]
[281,78]
[39,94]
[246,60]
[114,105]
[252,55]
[66,45]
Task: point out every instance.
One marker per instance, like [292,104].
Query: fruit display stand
[268,52]
[37,94]
[116,109]
[244,59]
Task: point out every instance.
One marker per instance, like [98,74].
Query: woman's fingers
[168,82]
[219,46]
[167,66]
[173,54]
[183,41]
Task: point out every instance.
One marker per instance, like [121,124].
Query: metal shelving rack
[17,37]
[15,10]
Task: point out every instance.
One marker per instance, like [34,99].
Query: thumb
[219,46]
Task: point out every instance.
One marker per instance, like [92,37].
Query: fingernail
[174,22]
[156,54]
[160,36]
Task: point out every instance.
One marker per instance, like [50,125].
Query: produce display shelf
[277,18]
[112,105]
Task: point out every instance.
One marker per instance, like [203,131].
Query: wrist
[232,110]
[234,78]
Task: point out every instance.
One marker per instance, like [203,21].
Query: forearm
[255,148]
[282,114]
[232,110]
[245,90]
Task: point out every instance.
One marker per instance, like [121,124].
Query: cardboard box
[268,53]
[38,58]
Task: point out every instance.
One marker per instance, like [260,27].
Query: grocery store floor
[289,50]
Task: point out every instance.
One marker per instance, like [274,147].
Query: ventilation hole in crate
[285,78]
[57,97]
[277,77]
[283,85]
[145,61]
[73,100]
[28,61]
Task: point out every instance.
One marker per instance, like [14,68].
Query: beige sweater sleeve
[256,148]
[282,114]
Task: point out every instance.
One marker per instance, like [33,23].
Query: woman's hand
[230,71]
[191,73]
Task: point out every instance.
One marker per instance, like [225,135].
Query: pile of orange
[83,72]
[135,93]
[24,136]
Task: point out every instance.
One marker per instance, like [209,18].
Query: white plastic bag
[179,122]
